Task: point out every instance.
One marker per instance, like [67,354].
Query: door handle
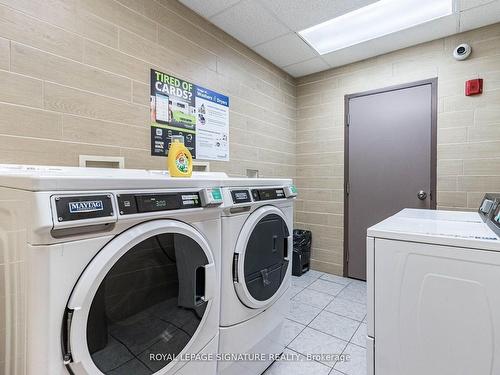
[210,281]
[422,195]
[288,248]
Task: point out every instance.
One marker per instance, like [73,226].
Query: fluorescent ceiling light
[373,21]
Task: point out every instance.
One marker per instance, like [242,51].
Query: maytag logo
[85,206]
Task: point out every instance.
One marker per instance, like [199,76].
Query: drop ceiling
[271,28]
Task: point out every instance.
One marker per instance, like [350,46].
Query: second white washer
[257,227]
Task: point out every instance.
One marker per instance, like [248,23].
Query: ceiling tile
[286,50]
[306,67]
[250,23]
[301,14]
[267,27]
[210,8]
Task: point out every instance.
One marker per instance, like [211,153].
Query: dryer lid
[472,235]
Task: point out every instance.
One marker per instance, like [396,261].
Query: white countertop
[52,178]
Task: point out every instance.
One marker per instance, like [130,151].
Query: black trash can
[301,251]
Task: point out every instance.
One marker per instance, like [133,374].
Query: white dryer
[433,301]
[463,216]
[108,272]
[257,228]
[481,215]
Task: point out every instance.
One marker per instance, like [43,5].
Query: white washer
[433,301]
[104,268]
[257,228]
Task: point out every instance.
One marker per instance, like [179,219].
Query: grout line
[303,355]
[72,142]
[82,61]
[10,54]
[324,309]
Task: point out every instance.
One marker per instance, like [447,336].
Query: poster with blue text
[179,107]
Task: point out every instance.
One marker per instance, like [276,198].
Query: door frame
[433,177]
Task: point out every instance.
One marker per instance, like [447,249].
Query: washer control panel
[141,203]
[241,196]
[268,194]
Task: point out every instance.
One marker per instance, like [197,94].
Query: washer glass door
[262,257]
[146,301]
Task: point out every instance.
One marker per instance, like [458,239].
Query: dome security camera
[462,51]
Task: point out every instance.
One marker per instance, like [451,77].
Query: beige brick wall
[468,131]
[74,79]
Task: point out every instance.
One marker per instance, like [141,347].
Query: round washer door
[261,257]
[147,292]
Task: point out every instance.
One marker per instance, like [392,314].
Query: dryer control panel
[488,206]
[489,211]
[494,222]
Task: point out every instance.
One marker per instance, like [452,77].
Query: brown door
[390,160]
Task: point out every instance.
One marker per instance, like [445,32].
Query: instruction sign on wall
[201,115]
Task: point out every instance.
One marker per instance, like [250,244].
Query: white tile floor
[327,316]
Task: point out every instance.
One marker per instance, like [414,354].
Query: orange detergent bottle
[180,160]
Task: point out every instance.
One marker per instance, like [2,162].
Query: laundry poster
[179,107]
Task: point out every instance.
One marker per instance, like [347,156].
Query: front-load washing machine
[257,227]
[108,272]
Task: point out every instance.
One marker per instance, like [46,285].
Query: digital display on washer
[241,196]
[267,194]
[140,203]
[151,203]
